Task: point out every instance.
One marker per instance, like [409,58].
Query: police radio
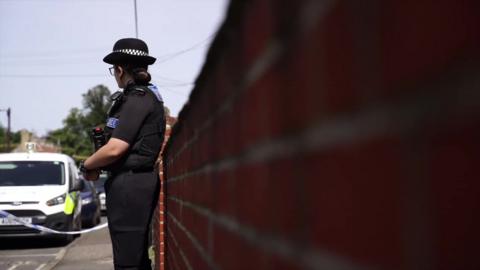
[98,137]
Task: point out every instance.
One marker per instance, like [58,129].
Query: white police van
[39,188]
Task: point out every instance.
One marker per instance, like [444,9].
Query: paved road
[29,254]
[90,251]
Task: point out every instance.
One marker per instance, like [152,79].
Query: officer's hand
[91,175]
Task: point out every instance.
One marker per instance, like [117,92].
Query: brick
[234,61]
[253,202]
[224,133]
[303,87]
[452,152]
[255,36]
[173,257]
[197,224]
[335,62]
[185,242]
[203,186]
[233,252]
[266,198]
[354,197]
[256,117]
[224,192]
[286,15]
[286,196]
[222,87]
[274,105]
[421,38]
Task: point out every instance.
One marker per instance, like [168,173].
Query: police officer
[134,132]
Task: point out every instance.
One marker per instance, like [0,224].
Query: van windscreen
[31,173]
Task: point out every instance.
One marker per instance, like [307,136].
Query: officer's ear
[120,71]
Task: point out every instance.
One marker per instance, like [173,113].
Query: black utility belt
[133,170]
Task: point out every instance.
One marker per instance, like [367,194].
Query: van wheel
[98,220]
[66,239]
[78,227]
[74,225]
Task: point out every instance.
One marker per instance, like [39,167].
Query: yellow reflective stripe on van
[70,203]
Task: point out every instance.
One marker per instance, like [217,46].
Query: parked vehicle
[39,188]
[90,205]
[100,186]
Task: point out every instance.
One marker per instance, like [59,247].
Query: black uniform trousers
[131,200]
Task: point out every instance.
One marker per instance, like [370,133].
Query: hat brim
[116,58]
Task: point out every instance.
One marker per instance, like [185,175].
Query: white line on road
[61,253]
[14,266]
[28,255]
[58,258]
[44,266]
[40,266]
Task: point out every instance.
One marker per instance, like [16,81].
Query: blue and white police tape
[17,220]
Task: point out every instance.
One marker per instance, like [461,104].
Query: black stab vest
[146,147]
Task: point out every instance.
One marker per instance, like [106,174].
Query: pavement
[91,251]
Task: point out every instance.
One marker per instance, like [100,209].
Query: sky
[51,51]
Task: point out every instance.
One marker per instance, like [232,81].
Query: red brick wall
[159,215]
[331,135]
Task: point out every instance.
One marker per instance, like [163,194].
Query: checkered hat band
[133,52]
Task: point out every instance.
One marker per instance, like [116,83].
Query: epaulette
[136,90]
[117,95]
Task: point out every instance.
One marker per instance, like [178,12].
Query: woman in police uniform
[134,132]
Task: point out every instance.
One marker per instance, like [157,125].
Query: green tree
[74,136]
[14,139]
[97,102]
[3,132]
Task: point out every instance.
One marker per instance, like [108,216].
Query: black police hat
[129,51]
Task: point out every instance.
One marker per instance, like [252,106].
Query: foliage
[14,136]
[97,102]
[74,137]
[14,139]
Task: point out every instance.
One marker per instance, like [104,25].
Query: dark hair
[140,74]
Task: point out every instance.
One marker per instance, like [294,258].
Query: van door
[73,207]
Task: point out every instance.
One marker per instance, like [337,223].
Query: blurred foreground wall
[331,135]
